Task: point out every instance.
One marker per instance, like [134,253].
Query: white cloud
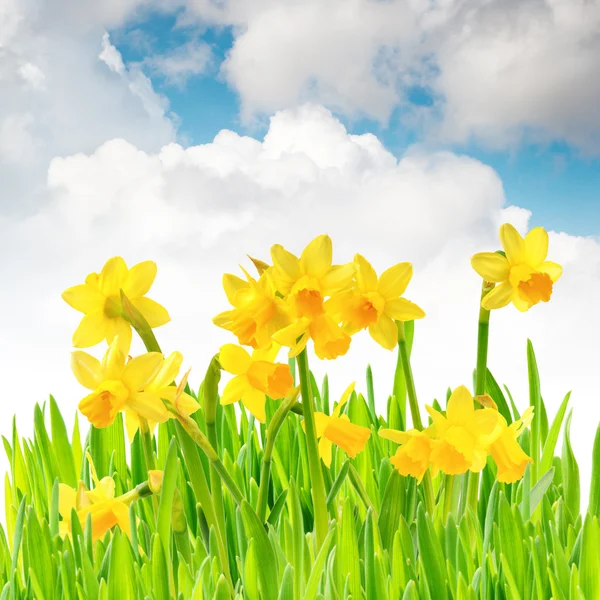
[199,211]
[497,71]
[182,62]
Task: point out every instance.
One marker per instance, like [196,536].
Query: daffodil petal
[234,359]
[321,420]
[513,244]
[113,276]
[394,435]
[536,246]
[288,335]
[121,512]
[140,279]
[343,399]
[87,369]
[168,371]
[132,423]
[140,370]
[325,451]
[119,327]
[366,277]
[287,267]
[394,281]
[67,498]
[499,297]
[149,406]
[235,389]
[316,257]
[254,400]
[493,267]
[91,330]
[401,309]
[460,406]
[84,298]
[553,269]
[114,360]
[385,332]
[338,278]
[231,285]
[153,312]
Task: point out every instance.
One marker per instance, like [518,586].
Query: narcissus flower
[106,511]
[464,435]
[99,298]
[509,457]
[523,274]
[118,385]
[376,303]
[305,283]
[258,312]
[256,377]
[337,429]
[161,386]
[413,457]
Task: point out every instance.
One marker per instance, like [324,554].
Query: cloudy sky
[194,132]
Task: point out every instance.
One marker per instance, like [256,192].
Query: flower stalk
[272,432]
[414,410]
[314,460]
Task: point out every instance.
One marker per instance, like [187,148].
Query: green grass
[525,541]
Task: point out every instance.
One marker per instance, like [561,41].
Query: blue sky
[559,183]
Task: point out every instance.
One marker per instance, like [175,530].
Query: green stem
[314,460]
[272,432]
[408,377]
[414,411]
[483,331]
[448,490]
[360,490]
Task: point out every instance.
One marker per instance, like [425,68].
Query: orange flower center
[309,303]
[363,311]
[538,288]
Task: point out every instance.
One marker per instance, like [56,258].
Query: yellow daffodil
[258,312]
[464,435]
[337,429]
[509,457]
[99,298]
[256,377]
[306,282]
[161,385]
[413,457]
[106,511]
[118,385]
[524,276]
[376,303]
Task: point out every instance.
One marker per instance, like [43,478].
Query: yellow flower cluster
[304,298]
[461,441]
[137,386]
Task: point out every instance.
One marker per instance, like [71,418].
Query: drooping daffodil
[119,385]
[256,377]
[337,429]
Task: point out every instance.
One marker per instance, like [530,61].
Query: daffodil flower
[162,386]
[106,511]
[413,457]
[509,457]
[464,435]
[118,385]
[256,377]
[258,312]
[337,429]
[306,282]
[376,303]
[523,274]
[99,298]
